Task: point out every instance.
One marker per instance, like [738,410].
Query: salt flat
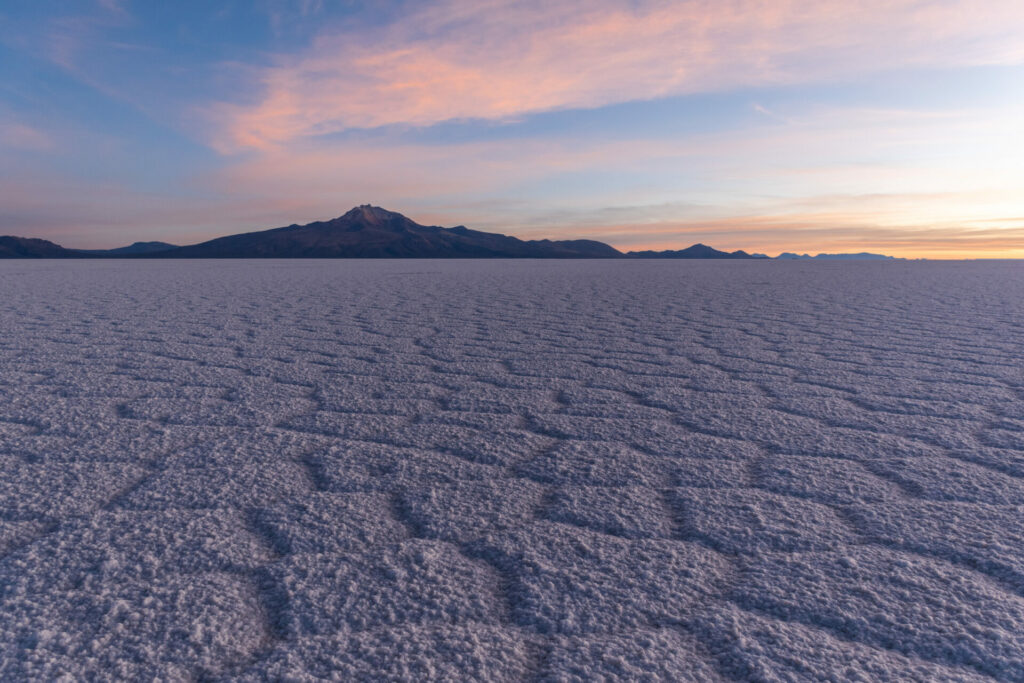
[509,470]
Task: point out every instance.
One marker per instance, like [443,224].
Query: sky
[892,126]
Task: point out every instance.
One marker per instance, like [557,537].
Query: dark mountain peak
[370,215]
[700,250]
[367,217]
[31,247]
[368,231]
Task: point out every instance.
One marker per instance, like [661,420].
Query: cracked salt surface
[511,470]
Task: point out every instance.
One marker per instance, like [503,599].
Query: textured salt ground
[416,470]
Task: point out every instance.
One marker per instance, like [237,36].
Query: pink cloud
[502,59]
[20,136]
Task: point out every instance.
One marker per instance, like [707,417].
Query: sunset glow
[767,126]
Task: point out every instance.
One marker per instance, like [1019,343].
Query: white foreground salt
[508,470]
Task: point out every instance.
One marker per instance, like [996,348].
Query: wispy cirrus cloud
[501,60]
[20,136]
[955,163]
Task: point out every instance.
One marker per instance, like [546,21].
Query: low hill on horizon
[860,256]
[136,248]
[700,251]
[31,247]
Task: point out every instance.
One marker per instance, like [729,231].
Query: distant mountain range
[696,251]
[861,256]
[372,232]
[136,249]
[28,247]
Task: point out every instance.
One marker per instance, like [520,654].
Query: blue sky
[768,126]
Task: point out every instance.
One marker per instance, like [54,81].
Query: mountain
[28,247]
[134,249]
[701,251]
[862,256]
[371,232]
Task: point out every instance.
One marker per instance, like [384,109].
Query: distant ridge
[372,232]
[29,247]
[131,250]
[701,251]
[861,256]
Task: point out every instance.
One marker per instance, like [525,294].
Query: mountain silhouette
[861,256]
[701,251]
[131,250]
[29,247]
[372,232]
